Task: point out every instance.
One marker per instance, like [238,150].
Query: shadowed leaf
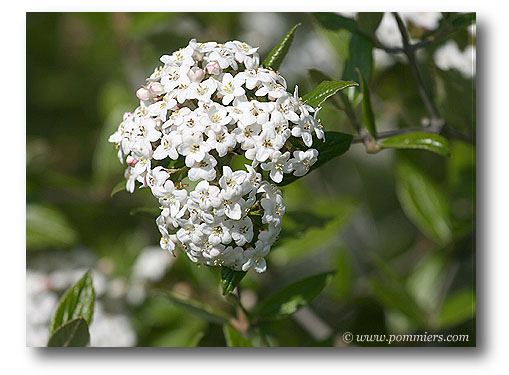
[71,334]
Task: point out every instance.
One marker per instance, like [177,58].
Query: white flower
[206,195]
[221,141]
[168,147]
[203,90]
[230,88]
[303,160]
[194,148]
[232,183]
[255,258]
[203,169]
[278,165]
[207,105]
[242,231]
[173,76]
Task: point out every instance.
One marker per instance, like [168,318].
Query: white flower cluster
[207,103]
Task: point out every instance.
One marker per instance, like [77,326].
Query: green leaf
[344,280]
[230,279]
[369,21]
[152,212]
[78,301]
[424,202]
[336,22]
[395,298]
[418,140]
[462,20]
[294,296]
[324,91]
[426,282]
[360,55]
[199,309]
[367,111]
[336,144]
[457,308]
[278,53]
[71,334]
[234,339]
[47,227]
[391,292]
[118,187]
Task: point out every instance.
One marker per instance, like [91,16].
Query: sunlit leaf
[336,144]
[278,53]
[426,281]
[234,339]
[77,302]
[230,279]
[418,140]
[325,90]
[291,298]
[457,308]
[423,201]
[47,227]
[71,334]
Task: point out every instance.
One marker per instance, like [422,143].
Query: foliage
[397,227]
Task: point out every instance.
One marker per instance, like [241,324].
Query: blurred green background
[398,227]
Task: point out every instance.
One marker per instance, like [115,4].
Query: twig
[436,122]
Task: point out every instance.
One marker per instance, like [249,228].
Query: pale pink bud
[213,68]
[143,93]
[196,74]
[156,88]
[131,161]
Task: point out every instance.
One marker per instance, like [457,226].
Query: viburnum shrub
[205,104]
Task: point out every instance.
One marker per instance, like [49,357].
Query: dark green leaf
[118,187]
[336,143]
[152,212]
[199,309]
[335,22]
[344,280]
[278,53]
[325,90]
[234,339]
[78,301]
[464,19]
[423,201]
[229,279]
[418,140]
[71,334]
[457,308]
[360,52]
[393,296]
[287,301]
[47,227]
[368,21]
[367,111]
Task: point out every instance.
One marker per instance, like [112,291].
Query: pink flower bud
[156,88]
[196,74]
[143,94]
[131,161]
[213,68]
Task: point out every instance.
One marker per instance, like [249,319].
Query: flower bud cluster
[207,103]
